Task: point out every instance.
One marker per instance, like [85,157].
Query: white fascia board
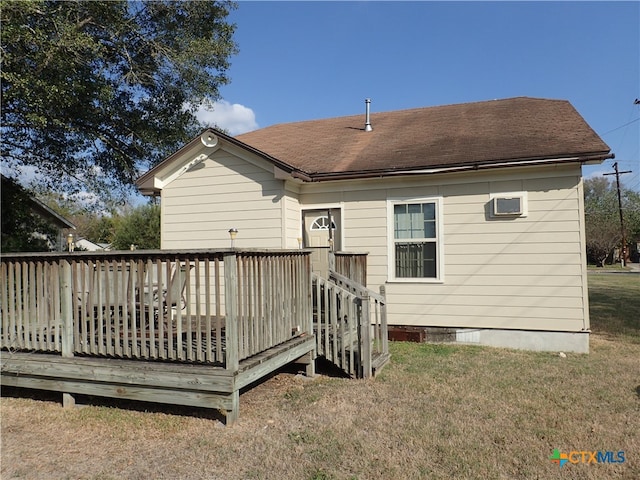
[179,170]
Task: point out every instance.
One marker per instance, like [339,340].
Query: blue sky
[309,60]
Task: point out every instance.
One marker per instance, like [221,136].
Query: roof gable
[198,150]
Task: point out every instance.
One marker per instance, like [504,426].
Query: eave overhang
[150,183]
[583,159]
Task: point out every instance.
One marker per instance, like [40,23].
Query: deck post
[365,337]
[307,311]
[231,311]
[232,362]
[383,321]
[67,317]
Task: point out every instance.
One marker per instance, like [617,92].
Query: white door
[322,234]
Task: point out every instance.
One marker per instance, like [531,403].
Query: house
[58,241]
[472,215]
[47,228]
[89,246]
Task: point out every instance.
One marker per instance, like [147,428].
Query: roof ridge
[402,110]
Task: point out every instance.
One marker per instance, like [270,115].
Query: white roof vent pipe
[367,125]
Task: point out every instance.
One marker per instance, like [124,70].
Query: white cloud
[234,118]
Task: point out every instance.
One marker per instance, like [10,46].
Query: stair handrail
[355,287]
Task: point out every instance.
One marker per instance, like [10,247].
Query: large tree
[139,227]
[602,218]
[93,92]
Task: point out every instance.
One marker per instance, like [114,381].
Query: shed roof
[477,134]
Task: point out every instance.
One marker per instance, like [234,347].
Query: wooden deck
[197,385]
[179,327]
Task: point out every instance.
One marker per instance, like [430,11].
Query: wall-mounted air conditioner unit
[508,206]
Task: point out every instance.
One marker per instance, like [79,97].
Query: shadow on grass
[615,303]
[323,368]
[133,405]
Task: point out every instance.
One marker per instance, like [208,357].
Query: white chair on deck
[166,300]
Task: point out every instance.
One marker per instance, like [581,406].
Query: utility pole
[617,173]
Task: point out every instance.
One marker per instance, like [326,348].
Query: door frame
[324,206]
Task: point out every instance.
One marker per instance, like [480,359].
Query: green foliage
[100,229]
[20,223]
[141,227]
[121,226]
[602,218]
[93,92]
[631,205]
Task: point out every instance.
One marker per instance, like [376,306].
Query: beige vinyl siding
[512,273]
[365,233]
[515,273]
[223,192]
[293,220]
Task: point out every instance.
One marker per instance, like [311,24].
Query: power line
[621,126]
[617,173]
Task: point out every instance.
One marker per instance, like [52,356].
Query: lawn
[436,411]
[615,304]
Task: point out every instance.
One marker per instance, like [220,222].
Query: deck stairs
[350,325]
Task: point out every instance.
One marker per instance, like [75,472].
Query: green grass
[615,304]
[435,412]
[614,267]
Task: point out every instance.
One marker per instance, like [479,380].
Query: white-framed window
[415,240]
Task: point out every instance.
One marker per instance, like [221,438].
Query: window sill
[432,281]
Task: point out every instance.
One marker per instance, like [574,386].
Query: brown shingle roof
[469,134]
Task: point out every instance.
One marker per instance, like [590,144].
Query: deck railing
[273,299]
[217,307]
[352,265]
[351,324]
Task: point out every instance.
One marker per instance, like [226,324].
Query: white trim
[325,206]
[324,227]
[161,182]
[586,318]
[524,203]
[391,275]
[284,203]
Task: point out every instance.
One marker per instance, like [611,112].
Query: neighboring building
[51,230]
[62,225]
[472,214]
[89,246]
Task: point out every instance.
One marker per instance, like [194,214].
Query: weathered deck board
[199,385]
